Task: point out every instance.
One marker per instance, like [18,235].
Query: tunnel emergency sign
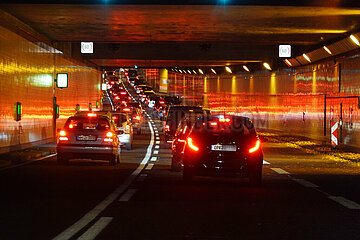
[285,51]
[87,47]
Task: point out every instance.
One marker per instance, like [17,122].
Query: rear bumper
[87,152]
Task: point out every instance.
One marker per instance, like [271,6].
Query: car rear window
[88,123]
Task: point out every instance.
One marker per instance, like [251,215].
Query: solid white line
[127,196]
[157,142]
[305,183]
[153,159]
[142,177]
[92,214]
[345,202]
[149,166]
[265,162]
[31,161]
[155,152]
[157,146]
[279,171]
[92,232]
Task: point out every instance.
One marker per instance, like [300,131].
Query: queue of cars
[202,143]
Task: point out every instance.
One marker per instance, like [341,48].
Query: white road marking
[92,214]
[92,232]
[156,152]
[265,162]
[157,134]
[149,166]
[157,146]
[25,163]
[153,159]
[279,171]
[156,131]
[157,142]
[305,183]
[345,202]
[127,196]
[157,138]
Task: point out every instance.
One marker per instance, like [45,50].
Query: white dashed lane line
[92,232]
[345,202]
[127,196]
[142,177]
[157,142]
[149,166]
[305,183]
[280,171]
[156,152]
[153,159]
[265,162]
[157,146]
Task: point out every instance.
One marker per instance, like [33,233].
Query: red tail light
[117,98]
[109,137]
[161,102]
[126,109]
[256,147]
[112,82]
[137,117]
[63,136]
[213,123]
[191,144]
[167,128]
[123,93]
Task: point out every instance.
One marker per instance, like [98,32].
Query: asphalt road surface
[303,196]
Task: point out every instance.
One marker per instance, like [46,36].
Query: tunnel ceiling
[198,35]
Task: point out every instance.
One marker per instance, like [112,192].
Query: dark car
[91,136]
[218,145]
[172,100]
[174,116]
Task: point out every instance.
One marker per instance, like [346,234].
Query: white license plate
[86,138]
[228,148]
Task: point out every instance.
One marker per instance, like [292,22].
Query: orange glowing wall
[27,71]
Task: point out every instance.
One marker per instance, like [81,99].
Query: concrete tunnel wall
[291,101]
[27,73]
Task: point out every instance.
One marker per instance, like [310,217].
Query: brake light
[224,119]
[167,128]
[161,102]
[129,98]
[63,136]
[256,147]
[126,109]
[123,93]
[127,127]
[91,114]
[117,98]
[112,82]
[213,123]
[137,117]
[71,126]
[115,117]
[191,144]
[109,137]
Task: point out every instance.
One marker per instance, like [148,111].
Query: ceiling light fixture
[213,71]
[228,69]
[306,57]
[267,66]
[201,71]
[246,68]
[354,39]
[288,62]
[328,50]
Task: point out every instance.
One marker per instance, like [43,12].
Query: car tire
[112,160]
[175,165]
[255,177]
[188,175]
[128,146]
[62,159]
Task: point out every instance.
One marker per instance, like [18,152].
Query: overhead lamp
[213,71]
[246,68]
[194,72]
[267,66]
[288,62]
[180,71]
[189,71]
[306,57]
[201,71]
[228,69]
[328,50]
[354,39]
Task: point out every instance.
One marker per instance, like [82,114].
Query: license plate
[228,148]
[86,138]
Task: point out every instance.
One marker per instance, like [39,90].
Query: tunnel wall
[291,101]
[27,70]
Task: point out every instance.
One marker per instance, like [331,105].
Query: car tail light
[112,82]
[109,137]
[115,117]
[71,126]
[161,102]
[167,128]
[63,136]
[117,98]
[191,144]
[129,98]
[213,123]
[224,119]
[91,115]
[137,117]
[126,109]
[256,147]
[123,93]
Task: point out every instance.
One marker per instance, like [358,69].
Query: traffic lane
[332,176]
[44,198]
[163,207]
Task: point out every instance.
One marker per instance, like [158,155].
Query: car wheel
[62,159]
[128,146]
[188,174]
[112,160]
[175,165]
[255,177]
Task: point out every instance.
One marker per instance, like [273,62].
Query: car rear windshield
[119,119]
[87,123]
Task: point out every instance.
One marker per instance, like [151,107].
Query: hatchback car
[218,145]
[90,136]
[124,129]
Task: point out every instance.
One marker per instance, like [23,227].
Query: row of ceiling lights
[227,68]
[352,37]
